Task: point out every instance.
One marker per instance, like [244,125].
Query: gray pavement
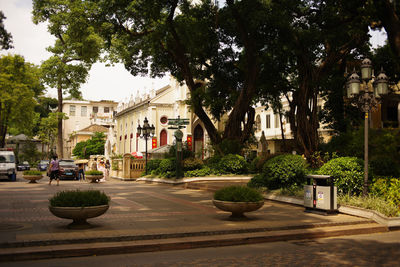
[150,217]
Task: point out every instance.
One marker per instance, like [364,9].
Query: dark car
[23,166]
[43,165]
[68,169]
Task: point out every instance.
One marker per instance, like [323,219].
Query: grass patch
[78,198]
[370,202]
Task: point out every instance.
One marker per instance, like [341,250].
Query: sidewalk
[151,217]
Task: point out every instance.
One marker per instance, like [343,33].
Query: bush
[256,182]
[153,164]
[370,202]
[190,164]
[79,198]
[383,165]
[32,172]
[93,172]
[199,172]
[347,172]
[233,163]
[167,165]
[388,189]
[283,171]
[238,194]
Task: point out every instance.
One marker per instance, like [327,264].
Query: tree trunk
[60,149]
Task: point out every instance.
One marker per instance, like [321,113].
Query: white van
[7,164]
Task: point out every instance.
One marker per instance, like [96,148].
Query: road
[362,250]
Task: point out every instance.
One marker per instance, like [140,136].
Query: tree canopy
[93,146]
[19,85]
[5,37]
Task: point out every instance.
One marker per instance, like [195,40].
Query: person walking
[108,166]
[81,172]
[54,170]
[102,168]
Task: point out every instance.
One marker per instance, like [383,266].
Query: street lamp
[367,94]
[145,132]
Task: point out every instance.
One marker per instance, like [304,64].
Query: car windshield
[7,158]
[67,163]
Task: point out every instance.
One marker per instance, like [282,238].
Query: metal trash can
[320,195]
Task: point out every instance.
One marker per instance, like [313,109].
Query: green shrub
[228,146]
[199,172]
[388,189]
[167,165]
[190,164]
[370,202]
[93,172]
[383,165]
[32,172]
[213,162]
[153,164]
[256,182]
[283,171]
[79,198]
[233,163]
[347,172]
[238,194]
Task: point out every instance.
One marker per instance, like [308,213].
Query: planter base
[32,178]
[238,208]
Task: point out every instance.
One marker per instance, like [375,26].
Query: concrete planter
[238,208]
[79,215]
[93,178]
[32,178]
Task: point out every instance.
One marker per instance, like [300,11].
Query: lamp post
[367,93]
[145,132]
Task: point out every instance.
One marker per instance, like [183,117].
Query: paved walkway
[146,213]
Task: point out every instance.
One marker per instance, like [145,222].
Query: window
[106,109]
[164,120]
[72,109]
[268,122]
[83,111]
[95,109]
[276,120]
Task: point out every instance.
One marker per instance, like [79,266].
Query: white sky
[105,83]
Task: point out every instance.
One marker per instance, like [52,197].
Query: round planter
[79,215]
[238,208]
[94,178]
[32,178]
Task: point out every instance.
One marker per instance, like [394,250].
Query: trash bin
[320,194]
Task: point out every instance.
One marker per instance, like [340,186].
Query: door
[163,137]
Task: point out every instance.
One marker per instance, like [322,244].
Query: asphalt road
[362,250]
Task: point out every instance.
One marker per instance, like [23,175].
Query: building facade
[82,114]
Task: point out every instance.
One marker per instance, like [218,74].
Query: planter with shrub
[94,176]
[79,206]
[238,200]
[32,176]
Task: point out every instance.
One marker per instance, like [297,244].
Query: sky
[104,83]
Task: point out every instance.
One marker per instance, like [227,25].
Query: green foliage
[93,146]
[94,172]
[153,164]
[186,153]
[78,198]
[19,85]
[167,165]
[28,152]
[347,172]
[5,37]
[32,172]
[282,171]
[238,194]
[233,163]
[372,202]
[388,189]
[229,146]
[190,164]
[204,171]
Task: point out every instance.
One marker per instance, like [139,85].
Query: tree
[19,84]
[74,51]
[48,129]
[5,37]
[93,146]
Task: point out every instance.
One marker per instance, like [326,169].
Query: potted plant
[238,200]
[32,175]
[94,176]
[79,206]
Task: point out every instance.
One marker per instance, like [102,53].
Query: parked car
[43,165]
[23,166]
[68,169]
[7,164]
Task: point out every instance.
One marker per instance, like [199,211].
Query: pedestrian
[102,168]
[108,166]
[81,172]
[54,170]
[94,165]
